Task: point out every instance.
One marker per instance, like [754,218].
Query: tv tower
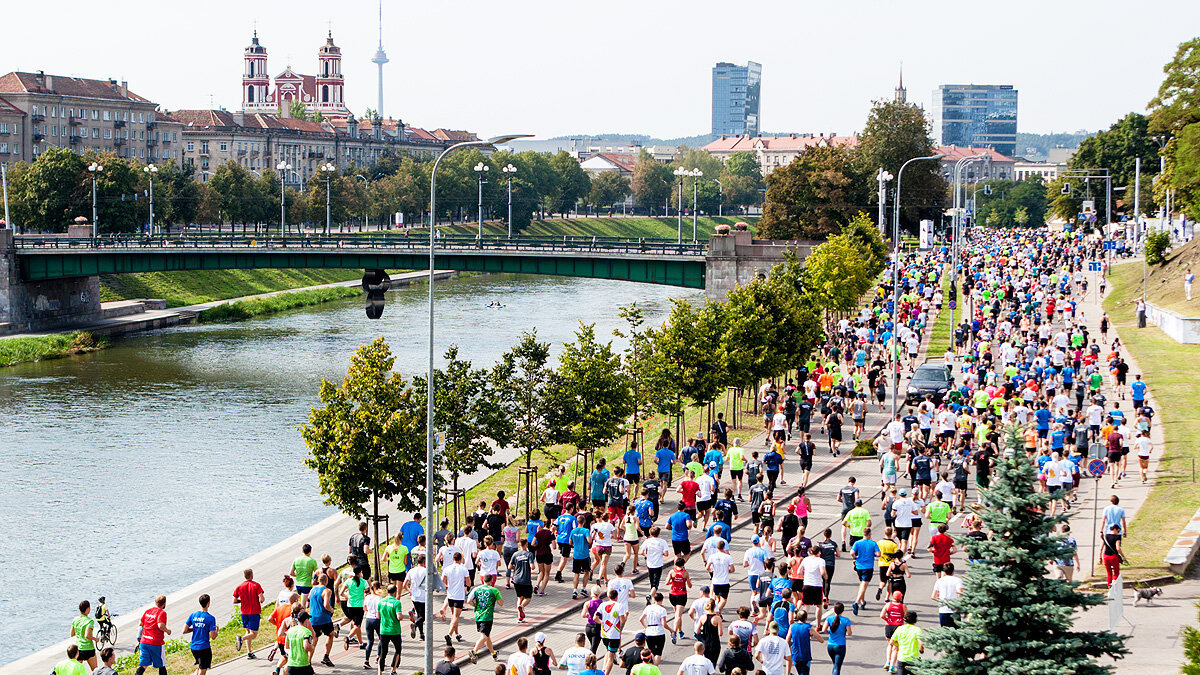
[380,59]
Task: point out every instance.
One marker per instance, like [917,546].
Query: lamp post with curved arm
[896,272]
[509,171]
[327,170]
[94,168]
[283,167]
[429,445]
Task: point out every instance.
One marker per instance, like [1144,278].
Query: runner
[203,628]
[82,630]
[485,598]
[390,630]
[520,567]
[153,625]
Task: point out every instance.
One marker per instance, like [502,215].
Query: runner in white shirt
[720,564]
[697,664]
[623,586]
[575,657]
[1143,447]
[948,587]
[772,651]
[611,621]
[654,622]
[457,578]
[489,558]
[654,552]
[521,663]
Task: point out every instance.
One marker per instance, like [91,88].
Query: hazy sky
[555,67]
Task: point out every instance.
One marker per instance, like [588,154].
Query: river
[144,467]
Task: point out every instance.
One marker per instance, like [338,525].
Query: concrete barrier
[1184,550]
[1180,328]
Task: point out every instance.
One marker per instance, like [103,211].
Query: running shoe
[412,631]
[673,639]
[251,655]
[855,608]
[473,657]
[239,643]
[449,641]
[458,636]
[327,661]
[495,655]
[575,595]
[878,593]
[271,654]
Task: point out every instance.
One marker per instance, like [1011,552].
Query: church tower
[256,84]
[901,93]
[329,81]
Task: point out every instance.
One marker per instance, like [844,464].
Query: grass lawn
[24,349]
[1173,372]
[252,307]
[653,228]
[196,286]
[941,333]
[1164,283]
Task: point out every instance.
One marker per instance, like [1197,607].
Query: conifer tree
[1013,618]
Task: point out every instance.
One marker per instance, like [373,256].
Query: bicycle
[106,633]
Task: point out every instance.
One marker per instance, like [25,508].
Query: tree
[652,182]
[54,189]
[367,440]
[1177,103]
[811,197]
[608,188]
[895,133]
[233,186]
[1157,244]
[593,391]
[741,180]
[1116,149]
[636,362]
[572,182]
[1012,203]
[522,379]
[1012,617]
[1183,168]
[467,408]
[685,360]
[836,275]
[1191,650]
[864,235]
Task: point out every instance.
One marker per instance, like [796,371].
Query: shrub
[1157,244]
[864,448]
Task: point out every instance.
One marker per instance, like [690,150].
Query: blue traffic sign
[1096,468]
[1110,244]
[1094,266]
[953,304]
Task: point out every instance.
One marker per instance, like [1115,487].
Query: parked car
[931,378]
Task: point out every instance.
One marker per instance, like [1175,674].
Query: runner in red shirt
[893,617]
[941,545]
[154,632]
[689,488]
[249,596]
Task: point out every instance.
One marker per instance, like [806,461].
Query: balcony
[151,125]
[151,141]
[203,152]
[75,140]
[118,141]
[37,117]
[316,154]
[117,124]
[166,139]
[38,137]
[75,121]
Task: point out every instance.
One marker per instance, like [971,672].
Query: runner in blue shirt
[666,458]
[596,482]
[203,627]
[410,531]
[680,523]
[772,462]
[644,508]
[581,554]
[1138,391]
[633,463]
[865,552]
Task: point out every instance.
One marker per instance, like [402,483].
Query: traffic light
[987,189]
[375,283]
[953,291]
[1066,189]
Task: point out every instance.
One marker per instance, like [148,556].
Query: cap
[539,638]
[897,596]
[858,502]
[756,539]
[704,589]
[637,638]
[903,493]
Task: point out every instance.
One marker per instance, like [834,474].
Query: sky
[550,68]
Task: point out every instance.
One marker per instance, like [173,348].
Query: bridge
[50,281]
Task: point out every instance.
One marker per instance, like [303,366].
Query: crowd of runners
[1023,355]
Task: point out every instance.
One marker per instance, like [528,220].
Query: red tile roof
[9,108]
[954,153]
[626,162]
[788,142]
[455,135]
[66,86]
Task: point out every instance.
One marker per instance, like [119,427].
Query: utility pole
[4,183]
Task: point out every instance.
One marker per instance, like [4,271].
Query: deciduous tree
[812,197]
[593,392]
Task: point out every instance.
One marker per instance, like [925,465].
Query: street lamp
[509,171]
[283,168]
[681,172]
[896,266]
[94,168]
[696,174]
[883,177]
[958,167]
[429,482]
[150,170]
[327,170]
[721,197]
[481,170]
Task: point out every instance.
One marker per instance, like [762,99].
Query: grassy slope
[1164,283]
[1173,373]
[252,307]
[24,349]
[194,287]
[657,228]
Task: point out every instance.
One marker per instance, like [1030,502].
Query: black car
[931,378]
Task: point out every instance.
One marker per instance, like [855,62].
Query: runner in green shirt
[389,627]
[646,667]
[737,464]
[857,520]
[907,639]
[81,630]
[397,557]
[485,598]
[302,570]
[939,512]
[300,645]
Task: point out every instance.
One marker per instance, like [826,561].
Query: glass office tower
[976,115]
[735,99]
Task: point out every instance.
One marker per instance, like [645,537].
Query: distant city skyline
[540,69]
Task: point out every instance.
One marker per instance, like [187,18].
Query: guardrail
[360,242]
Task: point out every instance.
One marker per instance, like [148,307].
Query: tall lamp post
[429,445]
[681,172]
[721,197]
[509,171]
[150,170]
[883,177]
[696,175]
[94,168]
[327,170]
[958,167]
[283,167]
[896,265]
[481,170]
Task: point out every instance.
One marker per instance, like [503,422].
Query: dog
[1146,594]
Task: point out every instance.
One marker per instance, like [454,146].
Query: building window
[224,146]
[3,148]
[95,114]
[3,127]
[325,93]
[108,133]
[191,146]
[106,116]
[95,132]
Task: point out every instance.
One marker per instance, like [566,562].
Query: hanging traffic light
[1066,189]
[375,283]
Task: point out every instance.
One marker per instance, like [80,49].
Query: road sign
[1096,468]
[953,305]
[1094,266]
[1110,244]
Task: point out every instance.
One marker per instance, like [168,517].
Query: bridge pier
[43,305]
[736,259]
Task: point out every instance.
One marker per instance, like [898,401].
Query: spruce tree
[1013,618]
